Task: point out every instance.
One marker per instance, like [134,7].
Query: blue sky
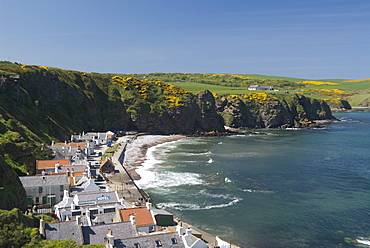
[299,38]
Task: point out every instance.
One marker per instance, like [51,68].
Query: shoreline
[137,151]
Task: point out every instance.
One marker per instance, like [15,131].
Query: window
[159,243]
[174,241]
[137,245]
[40,190]
[75,213]
[37,200]
[61,188]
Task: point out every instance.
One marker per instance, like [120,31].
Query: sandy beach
[136,150]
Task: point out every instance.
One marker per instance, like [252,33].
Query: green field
[196,87]
[360,90]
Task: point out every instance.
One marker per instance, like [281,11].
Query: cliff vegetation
[39,104]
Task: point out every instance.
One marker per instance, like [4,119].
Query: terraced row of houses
[73,188]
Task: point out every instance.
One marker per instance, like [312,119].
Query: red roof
[79,145]
[143,216]
[43,164]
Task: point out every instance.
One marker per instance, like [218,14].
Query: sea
[283,188]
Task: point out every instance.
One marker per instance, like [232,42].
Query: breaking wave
[206,199]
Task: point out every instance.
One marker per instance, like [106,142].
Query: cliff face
[12,193]
[52,103]
[263,111]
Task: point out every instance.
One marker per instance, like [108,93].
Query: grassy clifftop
[39,104]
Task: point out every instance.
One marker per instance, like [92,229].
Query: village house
[119,235]
[100,138]
[42,189]
[97,234]
[261,88]
[60,166]
[61,231]
[144,221]
[69,150]
[84,203]
[107,166]
[163,239]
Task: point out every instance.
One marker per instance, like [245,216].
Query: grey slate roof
[106,218]
[64,230]
[96,234]
[44,180]
[171,239]
[92,196]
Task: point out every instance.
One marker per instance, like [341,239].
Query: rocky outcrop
[342,105]
[296,111]
[199,114]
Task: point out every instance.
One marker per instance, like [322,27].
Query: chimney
[65,194]
[133,219]
[149,206]
[78,220]
[42,227]
[72,172]
[189,231]
[180,230]
[68,173]
[57,166]
[88,172]
[109,239]
[88,217]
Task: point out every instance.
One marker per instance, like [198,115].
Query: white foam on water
[191,153]
[219,196]
[258,191]
[363,241]
[166,179]
[206,198]
[188,206]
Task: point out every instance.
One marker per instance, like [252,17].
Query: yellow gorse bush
[336,100]
[330,92]
[26,67]
[258,97]
[231,75]
[171,93]
[215,95]
[229,97]
[316,83]
[359,80]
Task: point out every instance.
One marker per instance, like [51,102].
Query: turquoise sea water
[290,188]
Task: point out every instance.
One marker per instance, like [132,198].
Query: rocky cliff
[261,110]
[40,104]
